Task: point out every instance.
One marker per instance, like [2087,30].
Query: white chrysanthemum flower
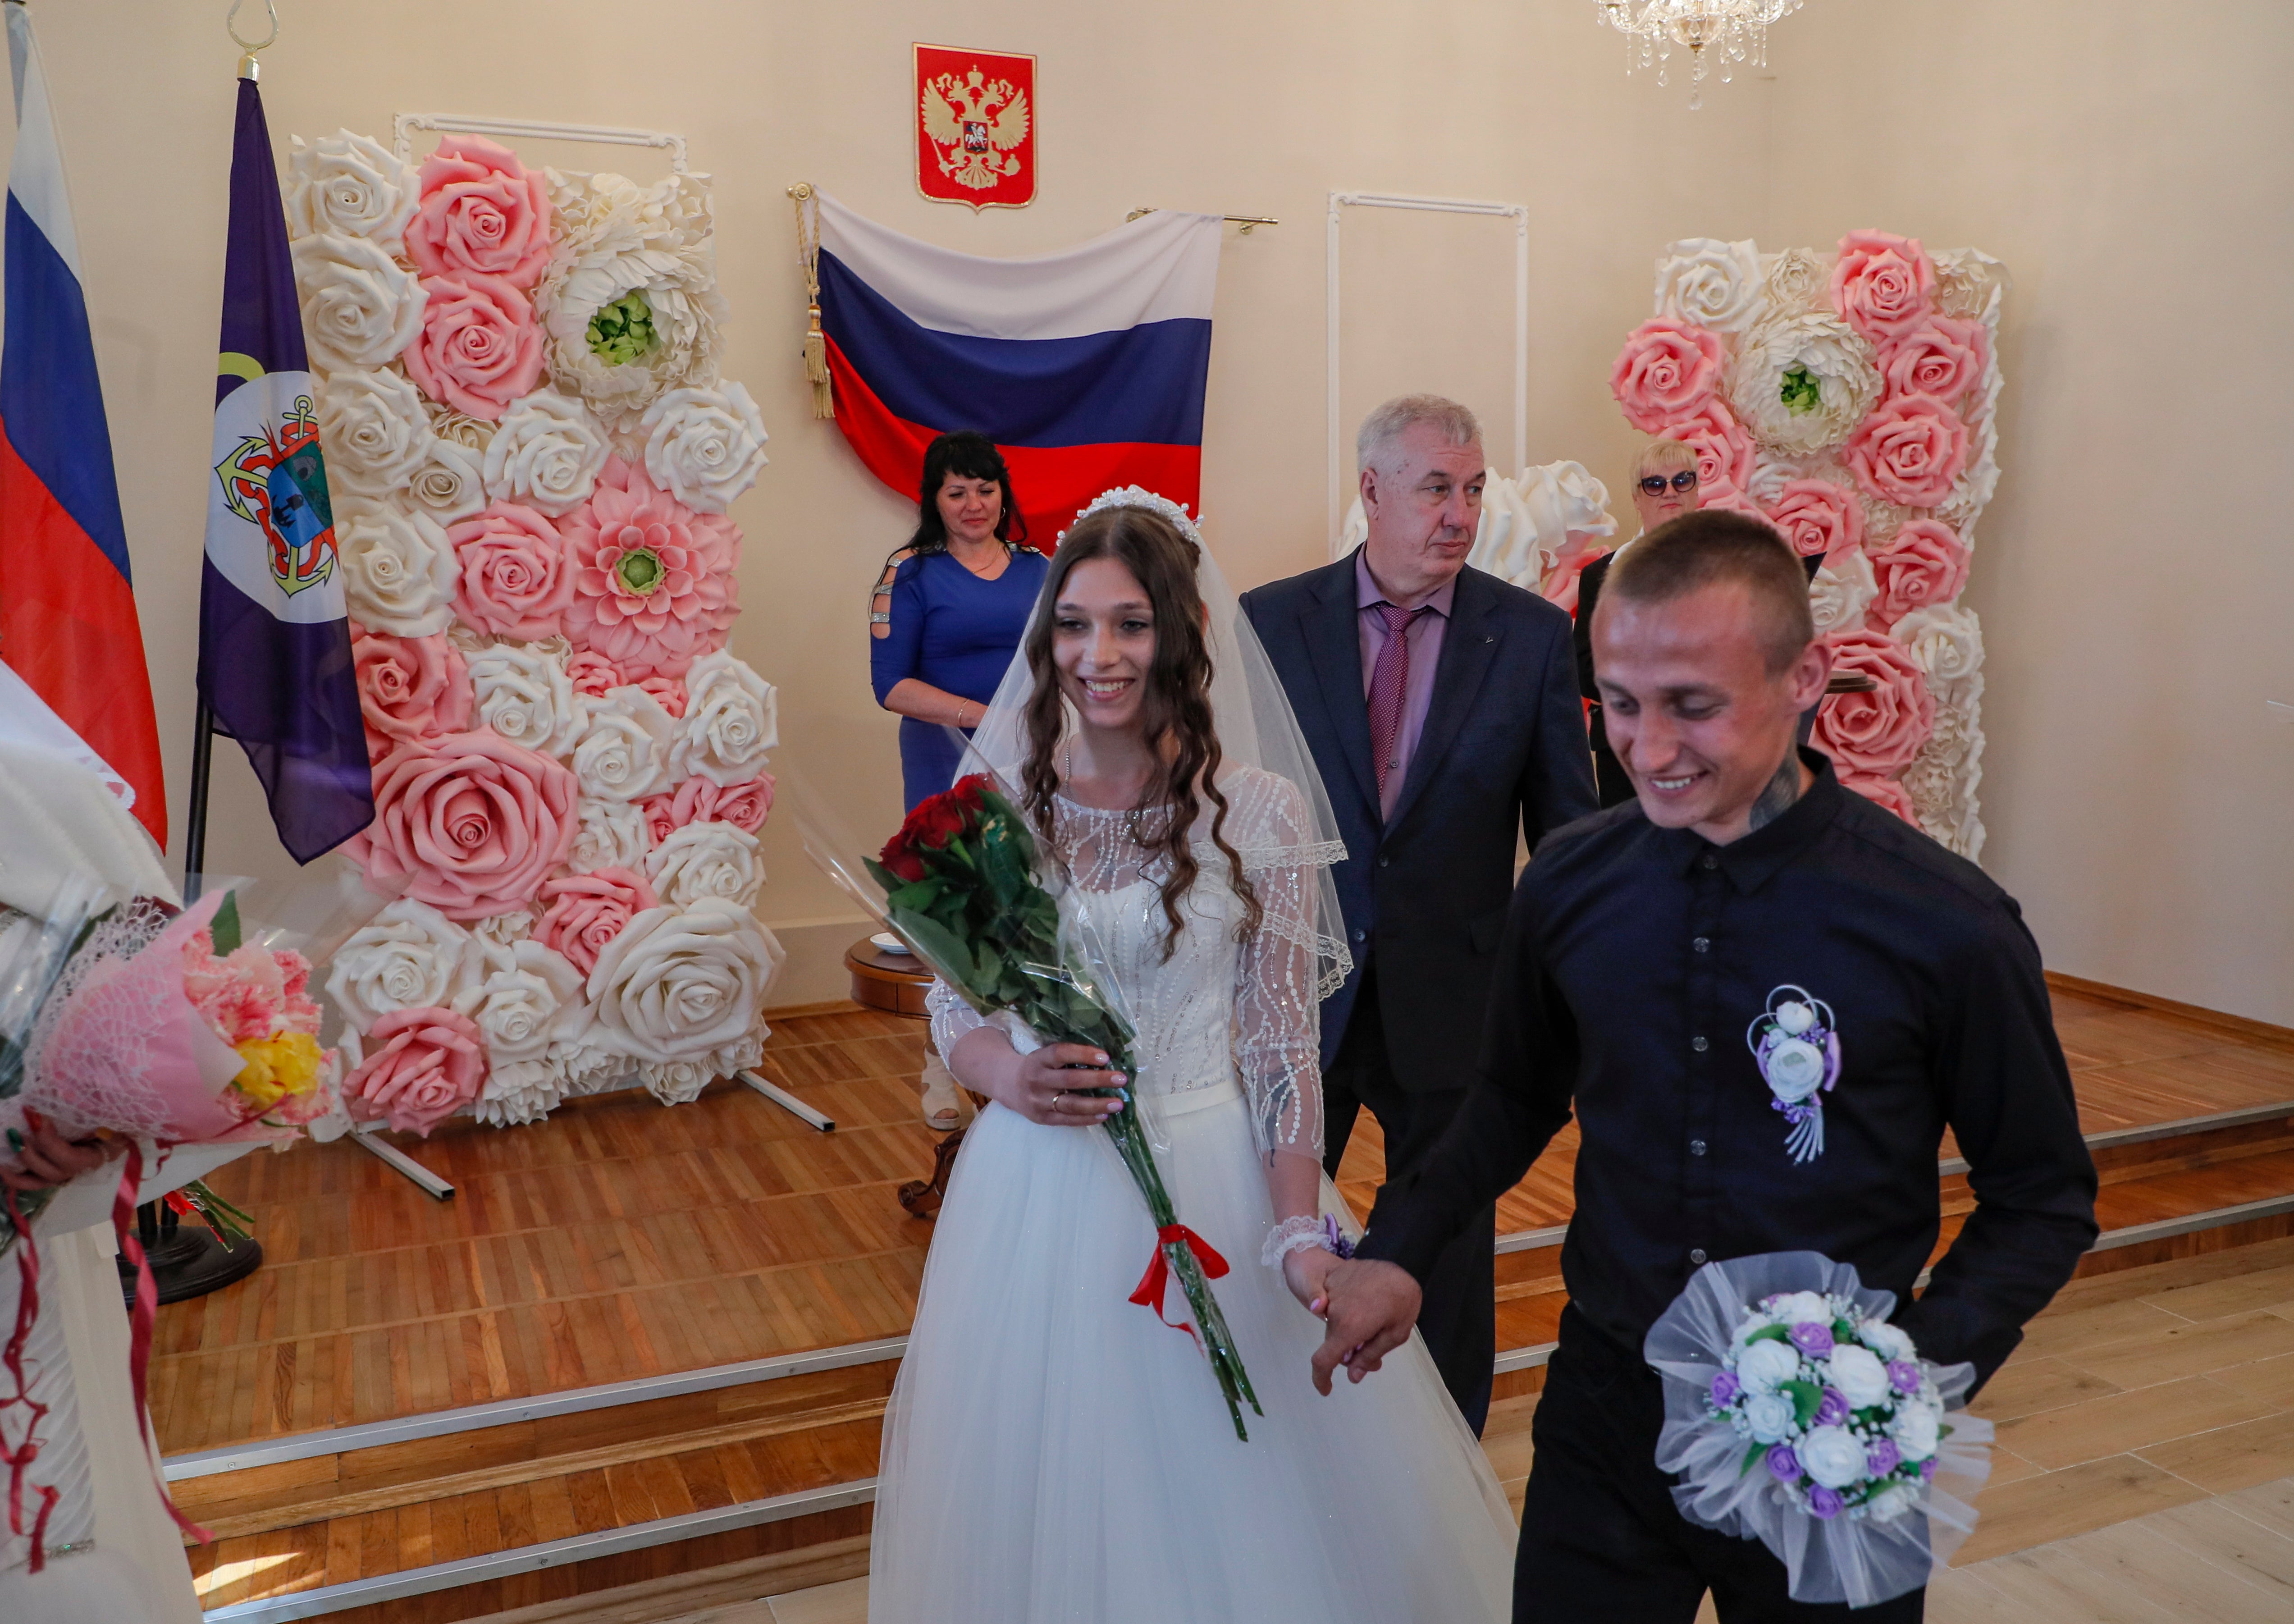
[374,430]
[1797,281]
[1969,283]
[348,185]
[1801,383]
[546,453]
[1710,283]
[399,575]
[584,1065]
[360,307]
[516,1092]
[732,719]
[705,446]
[523,694]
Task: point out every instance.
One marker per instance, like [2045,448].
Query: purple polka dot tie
[1389,679]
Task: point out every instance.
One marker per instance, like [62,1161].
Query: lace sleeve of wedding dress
[1279,972]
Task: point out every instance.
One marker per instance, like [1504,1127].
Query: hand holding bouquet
[960,884]
[1795,1412]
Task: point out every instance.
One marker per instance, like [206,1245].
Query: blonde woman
[1663,488]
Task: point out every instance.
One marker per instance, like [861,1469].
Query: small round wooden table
[896,984]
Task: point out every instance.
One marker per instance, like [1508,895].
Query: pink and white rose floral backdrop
[1850,398]
[533,453]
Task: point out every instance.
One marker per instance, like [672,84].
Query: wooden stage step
[600,1366]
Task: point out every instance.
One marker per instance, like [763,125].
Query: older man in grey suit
[1441,705]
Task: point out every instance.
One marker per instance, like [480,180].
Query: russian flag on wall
[67,622]
[1085,367]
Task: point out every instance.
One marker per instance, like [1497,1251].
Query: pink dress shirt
[1425,639]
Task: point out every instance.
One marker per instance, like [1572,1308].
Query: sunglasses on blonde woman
[1655,483]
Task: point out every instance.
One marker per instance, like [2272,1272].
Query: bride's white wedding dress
[1054,1453]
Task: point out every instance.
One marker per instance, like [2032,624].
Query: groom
[1642,943]
[1441,706]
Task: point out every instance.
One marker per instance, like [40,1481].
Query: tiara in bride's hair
[1140,496]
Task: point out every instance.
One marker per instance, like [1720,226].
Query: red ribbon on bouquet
[18,1460]
[140,1318]
[1150,1295]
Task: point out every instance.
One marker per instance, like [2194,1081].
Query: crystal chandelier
[1722,31]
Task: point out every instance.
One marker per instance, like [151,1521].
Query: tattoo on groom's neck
[1776,798]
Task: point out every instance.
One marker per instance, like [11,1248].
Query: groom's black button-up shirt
[1636,959]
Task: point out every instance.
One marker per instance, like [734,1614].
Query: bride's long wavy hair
[1174,710]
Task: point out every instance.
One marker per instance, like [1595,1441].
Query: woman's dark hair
[1175,709]
[968,456]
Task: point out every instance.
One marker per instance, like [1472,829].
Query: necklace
[1067,776]
[997,560]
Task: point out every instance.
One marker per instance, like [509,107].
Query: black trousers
[1459,1319]
[1600,1537]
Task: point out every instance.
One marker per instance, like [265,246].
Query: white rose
[676,1083]
[1858,1375]
[350,186]
[680,984]
[1769,1415]
[1831,1455]
[410,955]
[399,575]
[359,309]
[1947,640]
[1842,591]
[584,1065]
[1891,1503]
[374,429]
[1801,382]
[709,859]
[705,446]
[625,748]
[1795,1069]
[1710,283]
[545,453]
[1887,1340]
[516,1092]
[502,930]
[1917,1429]
[747,1052]
[1765,1363]
[527,995]
[1969,283]
[1801,1308]
[450,484]
[525,695]
[1795,1017]
[613,834]
[1798,281]
[732,718]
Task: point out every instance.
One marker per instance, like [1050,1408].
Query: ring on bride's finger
[1061,1095]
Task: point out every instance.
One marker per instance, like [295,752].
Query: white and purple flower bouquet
[1797,1413]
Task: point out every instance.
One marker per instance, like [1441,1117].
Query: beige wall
[2132,177]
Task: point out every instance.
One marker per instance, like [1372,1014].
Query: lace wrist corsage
[1300,1234]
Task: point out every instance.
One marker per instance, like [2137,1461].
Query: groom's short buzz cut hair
[1375,440]
[1713,547]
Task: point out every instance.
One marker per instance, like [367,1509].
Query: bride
[1053,1452]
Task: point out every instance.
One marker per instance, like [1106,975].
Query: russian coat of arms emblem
[975,128]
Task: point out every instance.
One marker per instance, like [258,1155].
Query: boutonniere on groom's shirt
[1795,1045]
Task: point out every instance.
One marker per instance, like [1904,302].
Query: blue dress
[958,633]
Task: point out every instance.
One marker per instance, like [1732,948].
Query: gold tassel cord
[816,342]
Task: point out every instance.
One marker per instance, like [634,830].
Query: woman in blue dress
[946,615]
[950,607]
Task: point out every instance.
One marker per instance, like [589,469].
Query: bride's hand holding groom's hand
[1369,1307]
[1045,1085]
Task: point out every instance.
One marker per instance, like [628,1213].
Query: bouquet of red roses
[960,889]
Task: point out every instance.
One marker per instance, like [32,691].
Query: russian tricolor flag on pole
[67,622]
[1086,367]
[275,667]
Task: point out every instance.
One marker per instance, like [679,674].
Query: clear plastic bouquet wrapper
[962,885]
[1797,1413]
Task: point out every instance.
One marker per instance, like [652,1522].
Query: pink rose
[421,1066]
[1889,793]
[1936,355]
[592,674]
[1882,284]
[698,801]
[1725,498]
[409,688]
[1875,734]
[670,692]
[515,583]
[585,911]
[477,821]
[1923,566]
[653,587]
[1908,451]
[1668,368]
[479,348]
[481,211]
[1818,518]
[1724,452]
